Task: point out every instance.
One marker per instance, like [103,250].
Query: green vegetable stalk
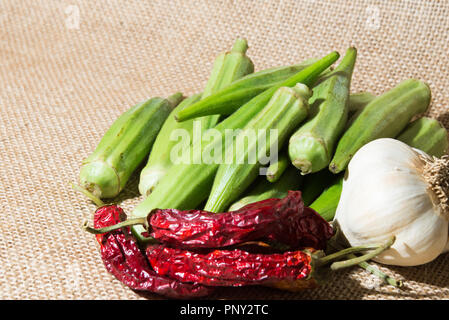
[384,117]
[314,184]
[426,134]
[228,67]
[159,160]
[232,97]
[284,112]
[326,204]
[358,101]
[124,146]
[312,146]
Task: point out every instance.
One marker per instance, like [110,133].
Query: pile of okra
[189,161]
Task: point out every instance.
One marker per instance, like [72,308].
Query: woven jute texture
[68,69]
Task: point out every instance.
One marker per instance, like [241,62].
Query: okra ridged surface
[384,117]
[426,134]
[124,146]
[159,159]
[311,147]
[230,98]
[285,111]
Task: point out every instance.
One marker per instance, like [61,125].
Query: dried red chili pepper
[124,259]
[305,230]
[292,270]
[229,267]
[284,220]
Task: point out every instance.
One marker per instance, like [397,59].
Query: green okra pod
[311,147]
[384,117]
[230,98]
[159,159]
[291,179]
[228,67]
[124,146]
[284,112]
[314,184]
[426,134]
[358,101]
[277,168]
[186,185]
[326,204]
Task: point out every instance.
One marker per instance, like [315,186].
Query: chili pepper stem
[88,194]
[375,271]
[126,223]
[353,261]
[372,269]
[343,253]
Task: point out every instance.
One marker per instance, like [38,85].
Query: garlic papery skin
[392,189]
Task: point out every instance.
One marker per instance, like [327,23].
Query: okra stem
[175,99]
[240,45]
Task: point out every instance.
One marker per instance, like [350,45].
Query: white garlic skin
[384,194]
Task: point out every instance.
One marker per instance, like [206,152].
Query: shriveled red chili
[284,220]
[123,258]
[233,267]
[306,229]
[291,270]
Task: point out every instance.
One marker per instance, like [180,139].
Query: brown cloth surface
[69,68]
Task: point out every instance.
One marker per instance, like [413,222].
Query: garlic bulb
[393,189]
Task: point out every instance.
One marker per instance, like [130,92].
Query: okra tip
[333,167]
[333,56]
[175,99]
[240,45]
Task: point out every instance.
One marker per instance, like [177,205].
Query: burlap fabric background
[69,68]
